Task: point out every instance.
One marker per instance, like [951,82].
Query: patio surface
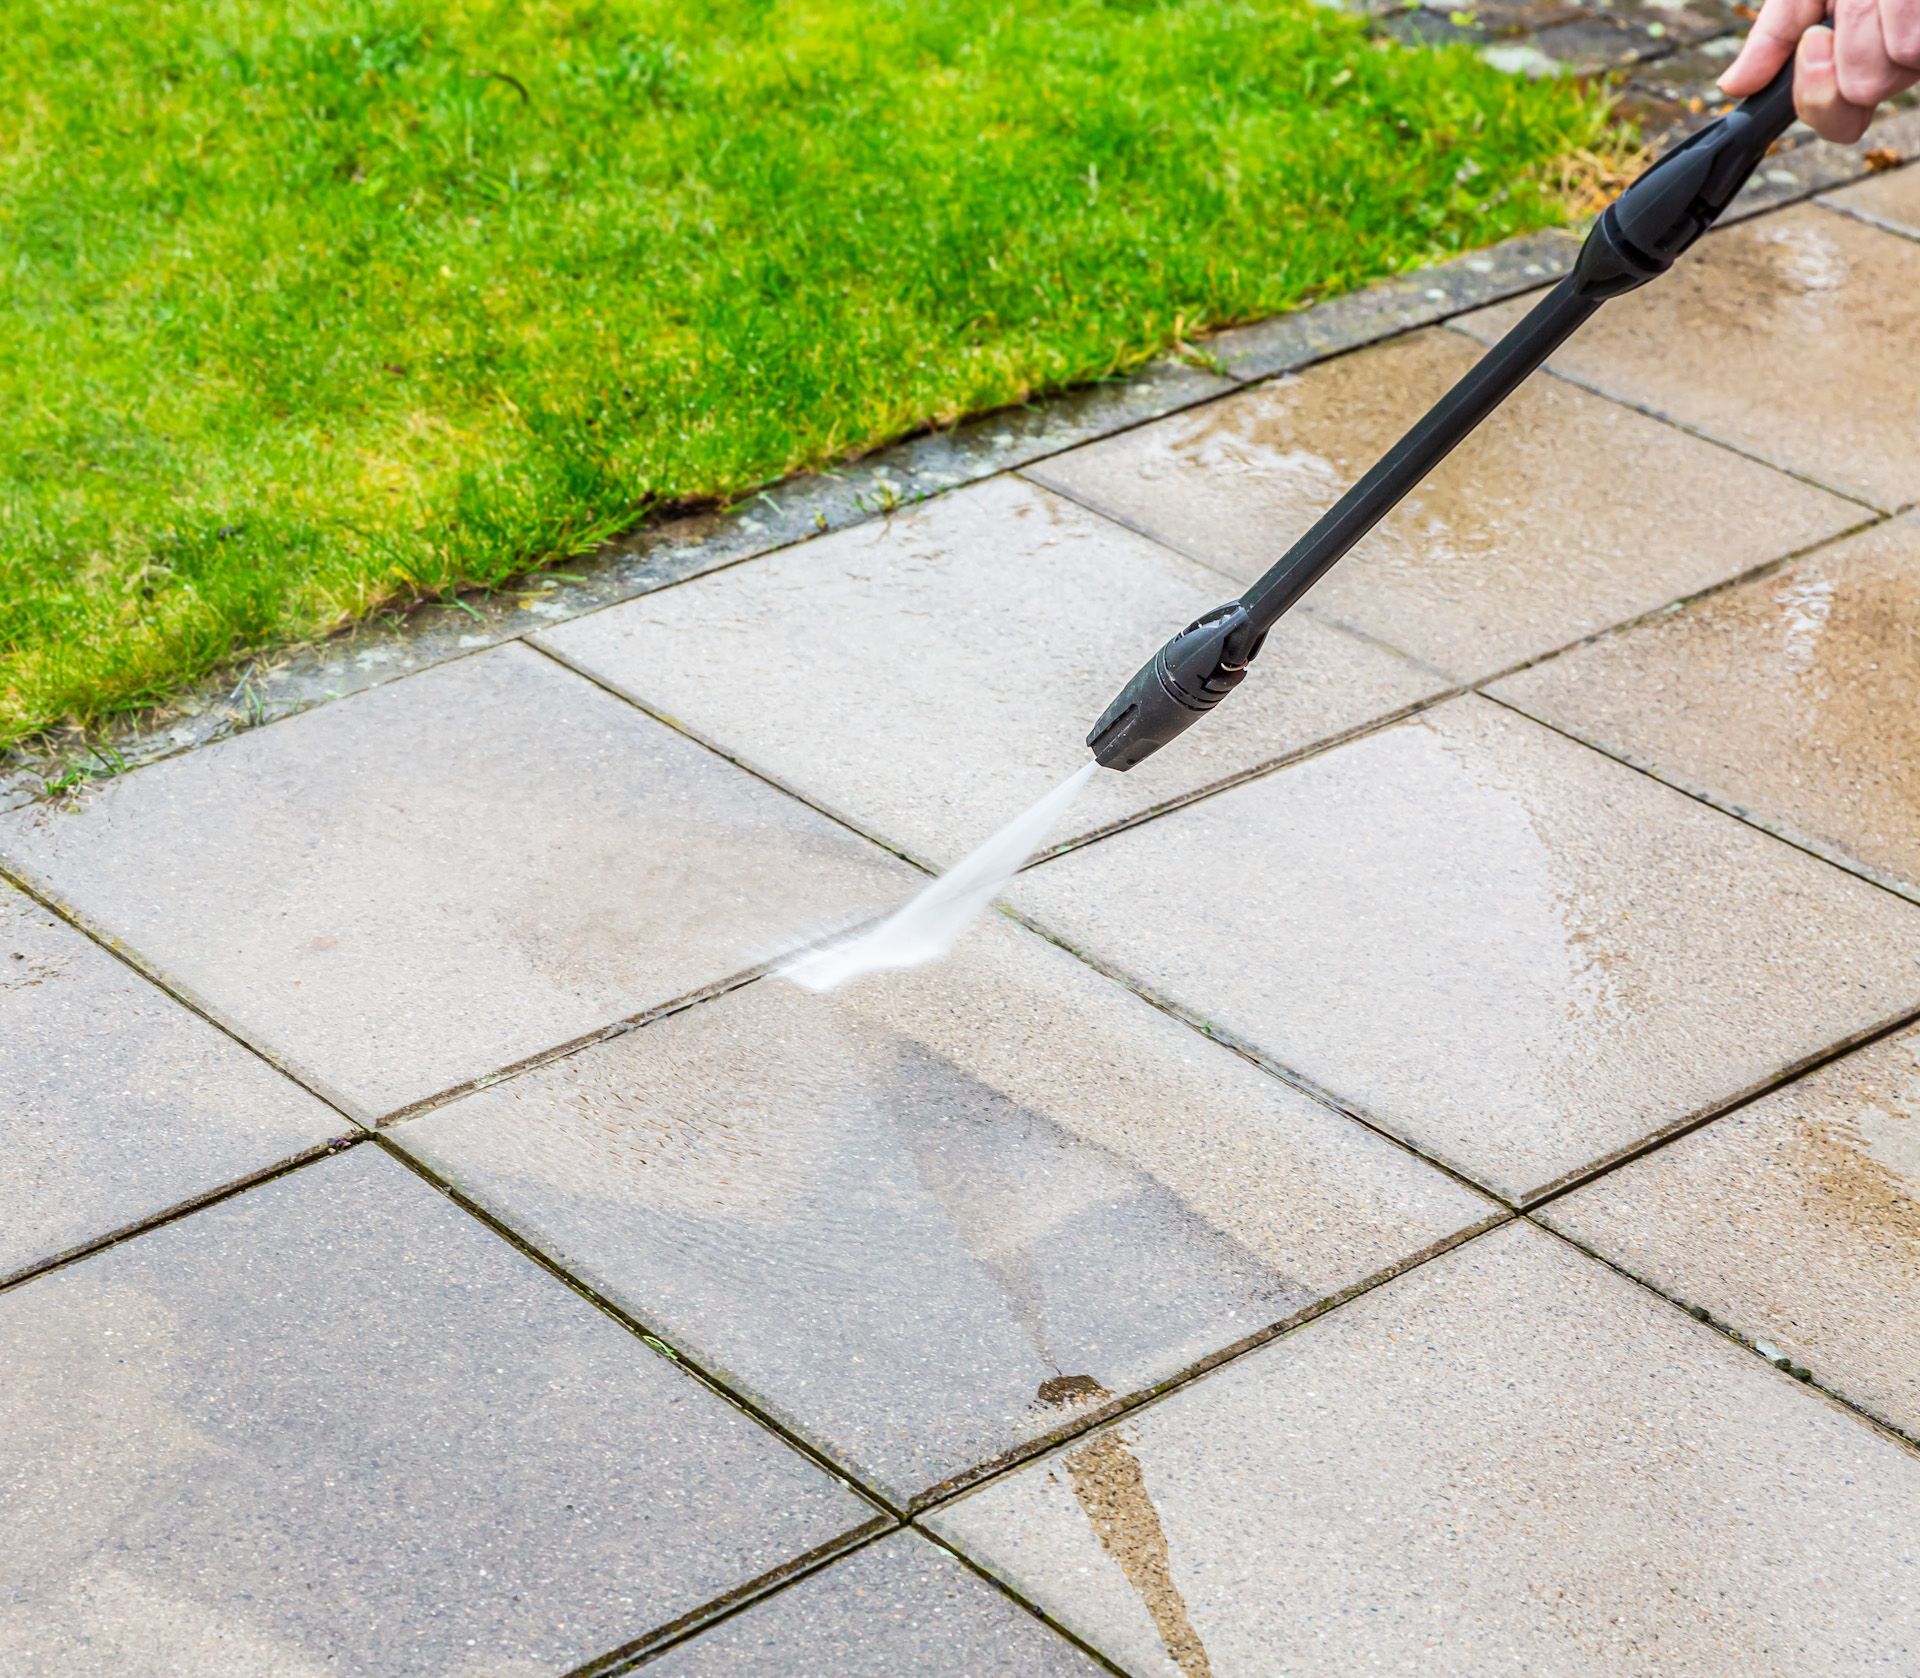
[1424,1176]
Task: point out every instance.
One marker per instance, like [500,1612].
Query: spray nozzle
[1178,686]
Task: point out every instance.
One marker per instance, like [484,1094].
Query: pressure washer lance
[1636,239]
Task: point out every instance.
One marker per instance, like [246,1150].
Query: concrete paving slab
[1795,1222]
[939,1215]
[897,1608]
[1793,700]
[929,676]
[336,1425]
[1892,200]
[1510,1462]
[1537,531]
[447,874]
[119,1104]
[1772,336]
[1508,948]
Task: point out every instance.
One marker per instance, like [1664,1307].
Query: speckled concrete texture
[442,876]
[900,1608]
[1531,535]
[1510,1462]
[1793,700]
[1891,200]
[922,676]
[335,1425]
[1490,939]
[942,1214]
[117,1102]
[1774,335]
[1795,1221]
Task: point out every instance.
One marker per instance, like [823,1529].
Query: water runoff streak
[928,925]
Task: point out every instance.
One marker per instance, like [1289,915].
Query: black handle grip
[1771,109]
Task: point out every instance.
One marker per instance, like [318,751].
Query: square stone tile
[1793,700]
[937,1216]
[1680,21]
[1691,79]
[1795,1221]
[901,1608]
[1776,335]
[1508,948]
[1509,1463]
[439,877]
[1673,96]
[1532,534]
[336,1425]
[1507,17]
[1589,46]
[929,675]
[118,1103]
[1892,200]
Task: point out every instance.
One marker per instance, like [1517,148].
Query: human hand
[1840,73]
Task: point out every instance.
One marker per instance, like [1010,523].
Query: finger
[1770,43]
[1861,66]
[1900,28]
[1816,91]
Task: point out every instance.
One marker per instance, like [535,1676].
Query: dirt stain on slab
[1111,1490]
[1867,1168]
[1071,1389]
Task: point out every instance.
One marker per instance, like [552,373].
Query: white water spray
[928,925]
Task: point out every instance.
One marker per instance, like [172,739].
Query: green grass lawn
[310,308]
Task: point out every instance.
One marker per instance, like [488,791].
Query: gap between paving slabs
[622,1661]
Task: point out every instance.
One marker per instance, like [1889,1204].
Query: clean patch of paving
[1558,518]
[1795,1221]
[928,675]
[1783,336]
[442,876]
[1506,947]
[1507,1462]
[336,1425]
[899,1608]
[940,1215]
[116,1103]
[1792,700]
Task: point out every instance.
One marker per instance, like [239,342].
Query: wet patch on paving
[937,1217]
[1794,1222]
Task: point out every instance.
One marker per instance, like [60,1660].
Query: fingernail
[1816,48]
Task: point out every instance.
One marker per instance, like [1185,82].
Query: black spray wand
[1636,239]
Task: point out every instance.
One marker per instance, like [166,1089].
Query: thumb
[1816,91]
